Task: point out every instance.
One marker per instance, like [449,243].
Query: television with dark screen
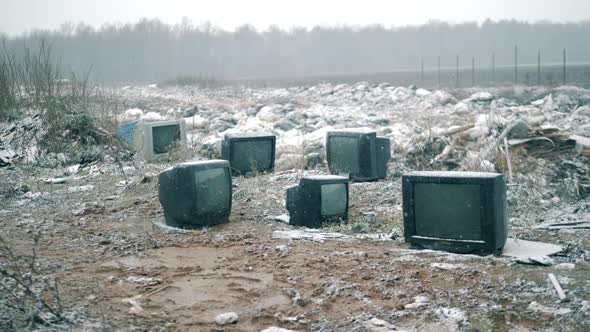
[318,199]
[359,154]
[463,212]
[249,152]
[155,140]
[196,194]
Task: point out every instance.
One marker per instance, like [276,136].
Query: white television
[154,140]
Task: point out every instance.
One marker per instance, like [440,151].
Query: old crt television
[462,212]
[318,199]
[196,194]
[359,154]
[249,152]
[154,140]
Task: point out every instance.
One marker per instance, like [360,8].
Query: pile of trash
[428,129]
[30,141]
[492,130]
[18,139]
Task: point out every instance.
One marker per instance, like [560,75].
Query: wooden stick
[508,159]
[456,130]
[557,286]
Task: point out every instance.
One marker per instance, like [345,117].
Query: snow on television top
[455,174]
[362,130]
[246,134]
[325,177]
[219,162]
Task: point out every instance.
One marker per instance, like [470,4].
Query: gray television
[155,140]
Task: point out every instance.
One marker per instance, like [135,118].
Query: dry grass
[72,112]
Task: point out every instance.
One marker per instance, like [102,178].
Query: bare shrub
[31,298]
[72,112]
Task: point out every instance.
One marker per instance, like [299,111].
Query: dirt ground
[92,246]
[119,269]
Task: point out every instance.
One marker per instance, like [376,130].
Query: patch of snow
[423,93]
[447,266]
[419,301]
[152,116]
[482,96]
[454,315]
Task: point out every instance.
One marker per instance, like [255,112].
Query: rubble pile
[428,129]
[79,141]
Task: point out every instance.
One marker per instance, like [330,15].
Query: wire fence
[471,71]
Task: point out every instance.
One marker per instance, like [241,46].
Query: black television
[196,194]
[462,212]
[318,199]
[249,152]
[361,155]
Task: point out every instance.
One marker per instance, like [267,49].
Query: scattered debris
[78,189]
[547,311]
[89,207]
[565,266]
[276,329]
[536,260]
[378,325]
[454,315]
[557,286]
[55,180]
[146,281]
[419,301]
[523,249]
[135,304]
[447,266]
[282,218]
[226,318]
[282,249]
[565,225]
[162,227]
[318,235]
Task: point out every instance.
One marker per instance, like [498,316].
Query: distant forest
[151,51]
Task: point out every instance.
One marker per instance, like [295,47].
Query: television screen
[249,152]
[164,137]
[252,155]
[344,154]
[455,211]
[211,190]
[154,140]
[333,199]
[448,210]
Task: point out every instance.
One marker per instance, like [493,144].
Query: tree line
[152,51]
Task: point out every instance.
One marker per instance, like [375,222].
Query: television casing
[492,211]
[143,140]
[227,151]
[383,155]
[304,201]
[374,154]
[177,194]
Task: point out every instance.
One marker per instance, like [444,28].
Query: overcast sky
[17,16]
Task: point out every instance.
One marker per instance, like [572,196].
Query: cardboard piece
[522,249]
